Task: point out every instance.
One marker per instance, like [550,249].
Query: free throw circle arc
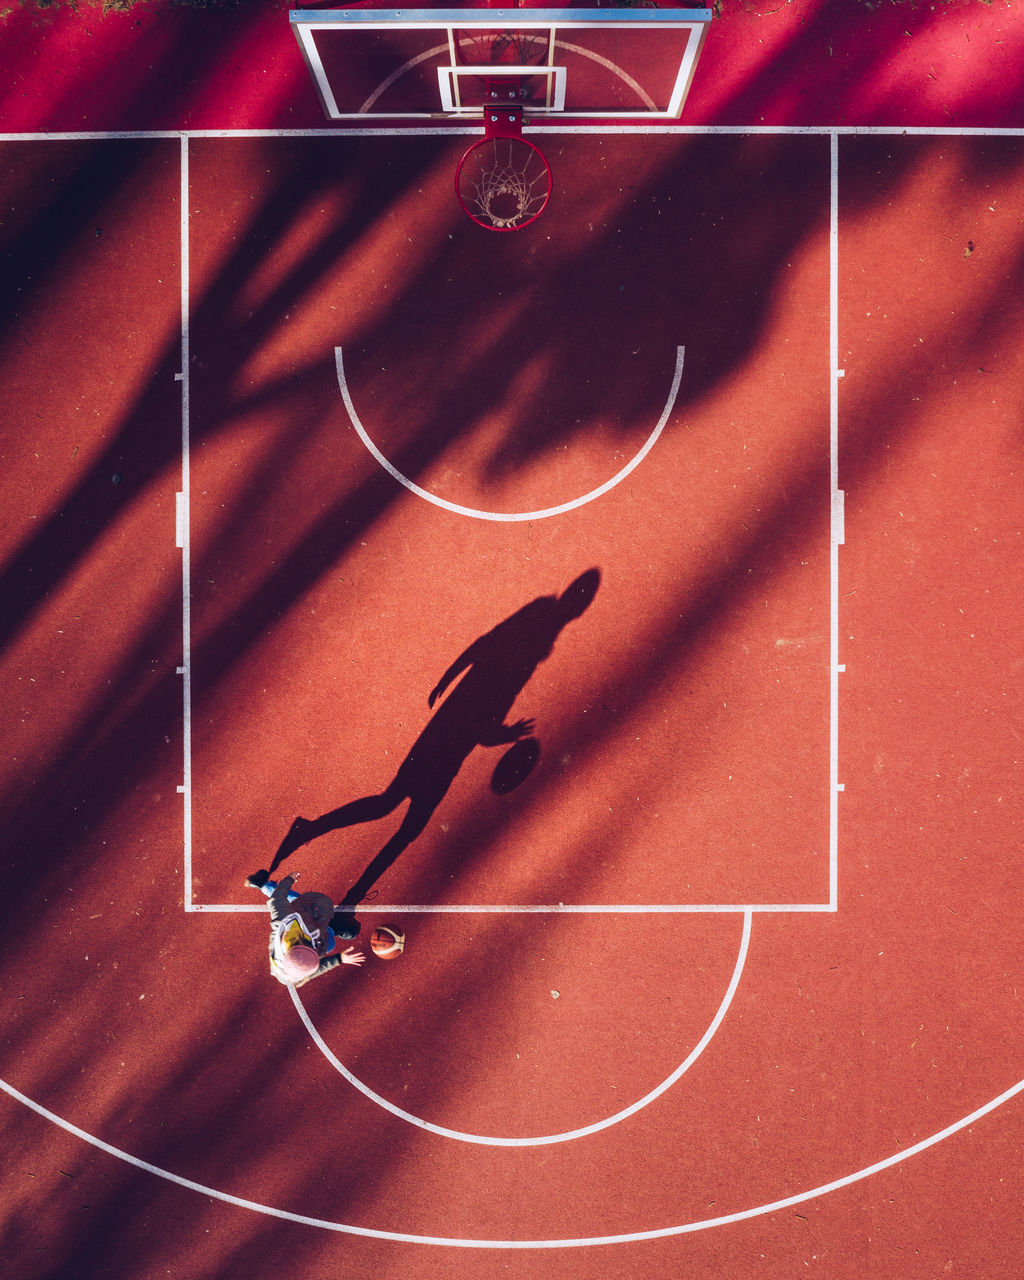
[488,1140]
[509,516]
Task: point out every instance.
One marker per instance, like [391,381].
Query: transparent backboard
[612,64]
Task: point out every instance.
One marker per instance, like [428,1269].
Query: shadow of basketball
[515,766]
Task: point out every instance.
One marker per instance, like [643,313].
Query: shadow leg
[365,809]
[420,810]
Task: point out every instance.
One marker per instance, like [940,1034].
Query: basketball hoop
[503,182]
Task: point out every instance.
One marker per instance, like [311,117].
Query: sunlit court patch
[684,719]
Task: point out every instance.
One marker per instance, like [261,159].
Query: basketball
[515,766]
[387,942]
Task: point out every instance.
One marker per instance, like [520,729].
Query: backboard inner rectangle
[465,89]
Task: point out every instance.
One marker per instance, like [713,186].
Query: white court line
[440,131]
[443,49]
[616,70]
[191,906]
[518,515]
[552,908]
[547,1140]
[383,87]
[184,535]
[386,84]
[834,535]
[631,1237]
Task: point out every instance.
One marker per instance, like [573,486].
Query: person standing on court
[303,942]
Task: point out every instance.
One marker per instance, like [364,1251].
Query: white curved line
[515,515]
[385,85]
[631,1237]
[548,1139]
[608,65]
[624,76]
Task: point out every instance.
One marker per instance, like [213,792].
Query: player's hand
[287,881]
[351,956]
[521,729]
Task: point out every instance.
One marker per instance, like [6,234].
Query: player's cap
[299,962]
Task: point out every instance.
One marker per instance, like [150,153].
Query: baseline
[513,515]
[548,1139]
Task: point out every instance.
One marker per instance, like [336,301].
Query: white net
[504,183]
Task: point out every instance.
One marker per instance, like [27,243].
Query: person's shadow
[497,666]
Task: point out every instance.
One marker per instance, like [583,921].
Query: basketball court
[693,448]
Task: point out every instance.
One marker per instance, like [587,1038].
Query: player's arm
[503,734]
[279,904]
[348,956]
[460,664]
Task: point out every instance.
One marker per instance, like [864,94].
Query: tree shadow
[497,667]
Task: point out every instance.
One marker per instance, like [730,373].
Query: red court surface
[729,985]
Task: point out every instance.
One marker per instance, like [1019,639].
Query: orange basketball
[387,942]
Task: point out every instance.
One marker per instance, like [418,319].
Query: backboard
[414,64]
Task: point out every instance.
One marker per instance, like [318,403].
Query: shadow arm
[464,660]
[503,734]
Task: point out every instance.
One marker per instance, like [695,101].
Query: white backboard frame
[693,22]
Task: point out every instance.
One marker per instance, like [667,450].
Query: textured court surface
[776,699]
